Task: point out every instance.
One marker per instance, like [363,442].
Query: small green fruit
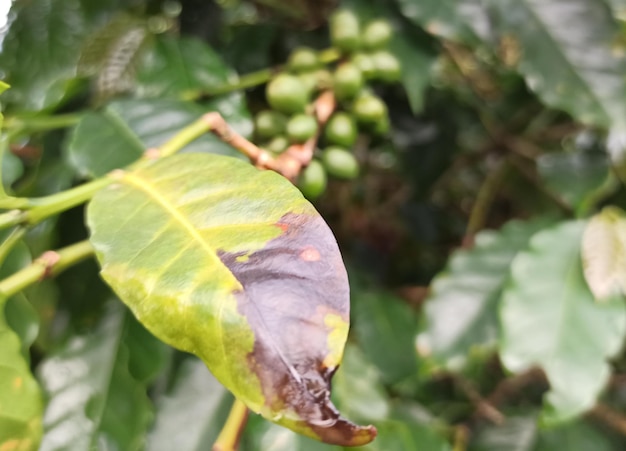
[369,109]
[388,68]
[286,93]
[301,128]
[340,163]
[341,130]
[312,181]
[345,31]
[303,59]
[347,81]
[268,124]
[278,144]
[365,63]
[377,35]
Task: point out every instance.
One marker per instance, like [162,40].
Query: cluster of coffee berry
[290,119]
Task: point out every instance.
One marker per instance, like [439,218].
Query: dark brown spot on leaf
[289,288]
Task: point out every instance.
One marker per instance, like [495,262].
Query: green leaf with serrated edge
[40,51]
[181,65]
[232,264]
[120,134]
[190,416]
[358,389]
[450,19]
[93,401]
[460,314]
[381,322]
[604,253]
[549,319]
[569,55]
[589,169]
[20,397]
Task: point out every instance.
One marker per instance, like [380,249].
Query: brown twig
[612,418]
[484,408]
[291,162]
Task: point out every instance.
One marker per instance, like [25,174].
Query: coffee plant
[311,225]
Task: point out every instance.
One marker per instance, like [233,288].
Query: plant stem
[9,243]
[49,264]
[228,440]
[45,123]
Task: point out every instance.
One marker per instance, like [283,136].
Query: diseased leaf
[604,254]
[94,402]
[569,55]
[120,134]
[461,311]
[549,318]
[232,264]
[181,66]
[190,416]
[20,397]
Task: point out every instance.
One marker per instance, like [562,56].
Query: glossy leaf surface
[461,312]
[549,318]
[93,401]
[569,54]
[180,66]
[235,266]
[120,134]
[191,414]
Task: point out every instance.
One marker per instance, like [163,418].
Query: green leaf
[23,319]
[191,415]
[568,55]
[358,390]
[461,311]
[619,8]
[589,169]
[518,433]
[450,19]
[93,400]
[549,319]
[120,134]
[20,398]
[416,65]
[574,436]
[261,435]
[148,355]
[178,66]
[604,254]
[40,51]
[385,327]
[232,264]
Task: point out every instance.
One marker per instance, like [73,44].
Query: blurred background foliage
[474,327]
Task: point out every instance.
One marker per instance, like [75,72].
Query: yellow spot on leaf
[337,336]
[17,383]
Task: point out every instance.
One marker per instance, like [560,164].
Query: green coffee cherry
[377,35]
[286,93]
[312,181]
[309,80]
[365,63]
[388,68]
[347,81]
[341,130]
[369,109]
[278,144]
[268,124]
[340,163]
[345,32]
[301,128]
[303,59]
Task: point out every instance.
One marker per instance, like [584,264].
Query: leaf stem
[9,243]
[49,264]
[40,124]
[228,440]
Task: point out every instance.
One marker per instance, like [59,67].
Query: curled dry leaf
[232,264]
[604,253]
